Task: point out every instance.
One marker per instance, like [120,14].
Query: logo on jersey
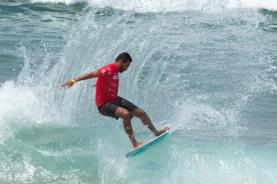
[115,77]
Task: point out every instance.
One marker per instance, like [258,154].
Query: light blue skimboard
[153,141]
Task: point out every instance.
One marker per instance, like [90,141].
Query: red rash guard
[107,84]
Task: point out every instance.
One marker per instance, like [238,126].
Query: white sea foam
[167,5]
[17,102]
[15,106]
[21,105]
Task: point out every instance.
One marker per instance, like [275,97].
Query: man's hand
[69,83]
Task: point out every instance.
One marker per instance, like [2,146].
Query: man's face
[123,66]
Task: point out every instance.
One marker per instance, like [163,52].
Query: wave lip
[169,6]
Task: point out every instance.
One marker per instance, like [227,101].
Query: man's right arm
[86,76]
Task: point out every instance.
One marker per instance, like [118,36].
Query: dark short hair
[124,56]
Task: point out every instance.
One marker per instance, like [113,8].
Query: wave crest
[169,6]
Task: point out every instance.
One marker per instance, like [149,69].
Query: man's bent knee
[123,113]
[126,116]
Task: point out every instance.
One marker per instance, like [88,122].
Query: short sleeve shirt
[107,84]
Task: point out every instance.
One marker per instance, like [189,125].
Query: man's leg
[126,116]
[141,114]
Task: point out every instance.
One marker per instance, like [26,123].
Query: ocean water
[207,68]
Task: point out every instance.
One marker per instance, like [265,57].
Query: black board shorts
[108,109]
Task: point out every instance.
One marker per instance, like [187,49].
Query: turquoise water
[207,68]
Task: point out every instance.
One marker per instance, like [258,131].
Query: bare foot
[139,144]
[162,130]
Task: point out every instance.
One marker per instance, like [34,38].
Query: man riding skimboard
[112,105]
